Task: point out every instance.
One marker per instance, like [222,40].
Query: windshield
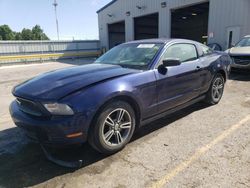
[136,55]
[244,42]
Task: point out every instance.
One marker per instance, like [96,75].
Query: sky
[77,18]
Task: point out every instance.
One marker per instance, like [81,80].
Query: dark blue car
[132,84]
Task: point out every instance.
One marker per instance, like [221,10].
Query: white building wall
[223,13]
[228,13]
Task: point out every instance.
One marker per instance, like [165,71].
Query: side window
[183,52]
[206,50]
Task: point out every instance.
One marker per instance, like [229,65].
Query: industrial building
[208,21]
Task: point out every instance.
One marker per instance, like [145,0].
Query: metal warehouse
[215,21]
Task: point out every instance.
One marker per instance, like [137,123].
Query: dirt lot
[200,146]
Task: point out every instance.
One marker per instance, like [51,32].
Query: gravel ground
[200,146]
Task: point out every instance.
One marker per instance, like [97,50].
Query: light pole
[57,27]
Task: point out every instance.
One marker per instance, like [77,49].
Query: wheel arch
[223,73]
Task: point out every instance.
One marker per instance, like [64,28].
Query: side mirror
[168,63]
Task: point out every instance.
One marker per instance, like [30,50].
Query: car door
[181,83]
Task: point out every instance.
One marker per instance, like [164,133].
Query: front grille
[29,107]
[241,60]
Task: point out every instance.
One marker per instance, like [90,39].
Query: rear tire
[113,128]
[216,90]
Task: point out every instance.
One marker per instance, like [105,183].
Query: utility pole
[57,27]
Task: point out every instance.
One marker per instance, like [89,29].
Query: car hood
[60,83]
[240,51]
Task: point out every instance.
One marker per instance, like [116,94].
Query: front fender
[223,65]
[89,101]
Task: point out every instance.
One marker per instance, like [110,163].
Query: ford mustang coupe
[129,86]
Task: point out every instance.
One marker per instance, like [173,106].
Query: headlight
[58,109]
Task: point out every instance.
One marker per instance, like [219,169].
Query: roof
[162,40]
[157,40]
[107,5]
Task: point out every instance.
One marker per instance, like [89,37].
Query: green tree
[26,34]
[6,33]
[18,36]
[38,33]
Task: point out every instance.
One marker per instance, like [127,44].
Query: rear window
[206,50]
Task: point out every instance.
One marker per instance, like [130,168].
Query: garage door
[116,34]
[146,27]
[190,22]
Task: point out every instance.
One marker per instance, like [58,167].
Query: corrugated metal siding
[222,14]
[228,13]
[120,7]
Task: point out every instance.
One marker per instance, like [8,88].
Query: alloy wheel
[217,89]
[116,127]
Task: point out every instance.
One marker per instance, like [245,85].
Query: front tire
[216,90]
[113,128]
